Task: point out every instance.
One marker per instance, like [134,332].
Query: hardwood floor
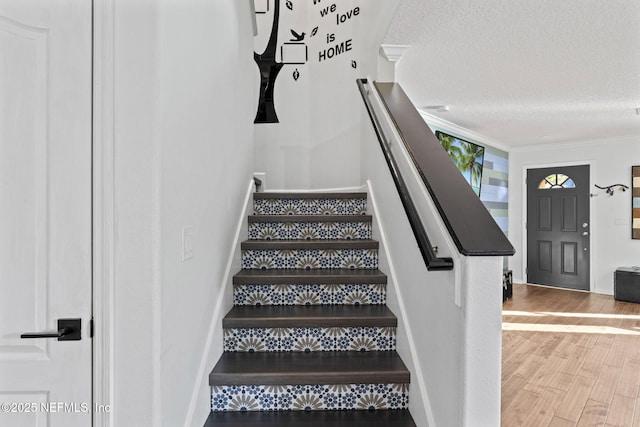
[569,359]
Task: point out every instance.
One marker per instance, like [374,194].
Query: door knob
[585,233]
[585,225]
[68,330]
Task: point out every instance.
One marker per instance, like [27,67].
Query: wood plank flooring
[569,359]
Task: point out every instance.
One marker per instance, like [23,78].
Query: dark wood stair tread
[301,276]
[380,418]
[309,244]
[288,316]
[288,368]
[309,218]
[308,195]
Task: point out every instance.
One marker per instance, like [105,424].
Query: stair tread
[380,418]
[317,276]
[320,244]
[308,195]
[287,316]
[288,368]
[309,218]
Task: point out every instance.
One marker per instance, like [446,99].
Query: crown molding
[577,144]
[462,132]
[393,52]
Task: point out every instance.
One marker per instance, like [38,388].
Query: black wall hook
[611,188]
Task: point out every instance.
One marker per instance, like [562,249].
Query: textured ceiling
[524,72]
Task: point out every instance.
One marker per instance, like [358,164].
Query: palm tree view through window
[467,156]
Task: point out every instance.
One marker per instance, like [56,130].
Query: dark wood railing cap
[469,223]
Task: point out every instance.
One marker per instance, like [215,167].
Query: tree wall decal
[269,70]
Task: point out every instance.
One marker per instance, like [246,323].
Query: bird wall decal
[297,37]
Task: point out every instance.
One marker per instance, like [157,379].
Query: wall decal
[294,53]
[261,6]
[333,19]
[324,12]
[269,70]
[337,48]
[341,18]
[297,37]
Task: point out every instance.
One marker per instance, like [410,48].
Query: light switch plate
[187,242]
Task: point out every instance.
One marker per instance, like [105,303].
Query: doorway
[558,227]
[46,215]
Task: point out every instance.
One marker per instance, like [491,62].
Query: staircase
[310,340]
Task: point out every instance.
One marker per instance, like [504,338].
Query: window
[556,180]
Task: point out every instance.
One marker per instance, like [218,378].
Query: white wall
[185,95]
[317,142]
[611,243]
[429,323]
[135,212]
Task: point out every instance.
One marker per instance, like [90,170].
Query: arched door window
[556,180]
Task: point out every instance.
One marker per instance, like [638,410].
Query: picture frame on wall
[635,202]
[467,156]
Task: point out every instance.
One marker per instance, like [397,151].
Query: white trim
[419,376]
[254,21]
[557,288]
[574,144]
[393,52]
[103,208]
[462,132]
[218,312]
[593,231]
[361,188]
[467,133]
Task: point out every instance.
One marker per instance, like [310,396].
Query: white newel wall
[183,134]
[449,331]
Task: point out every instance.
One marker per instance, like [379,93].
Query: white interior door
[45,210]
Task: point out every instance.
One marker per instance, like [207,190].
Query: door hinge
[91,328]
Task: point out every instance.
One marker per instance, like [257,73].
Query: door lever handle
[60,334]
[68,330]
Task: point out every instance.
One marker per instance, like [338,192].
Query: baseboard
[417,375]
[210,352]
[362,188]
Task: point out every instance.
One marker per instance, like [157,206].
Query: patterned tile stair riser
[310,397]
[310,339]
[309,259]
[309,230]
[357,206]
[309,250]
[302,294]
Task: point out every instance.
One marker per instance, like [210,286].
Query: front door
[558,227]
[45,210]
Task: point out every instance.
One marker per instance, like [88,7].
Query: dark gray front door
[558,226]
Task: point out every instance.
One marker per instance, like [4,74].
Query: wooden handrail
[428,254]
[473,230]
